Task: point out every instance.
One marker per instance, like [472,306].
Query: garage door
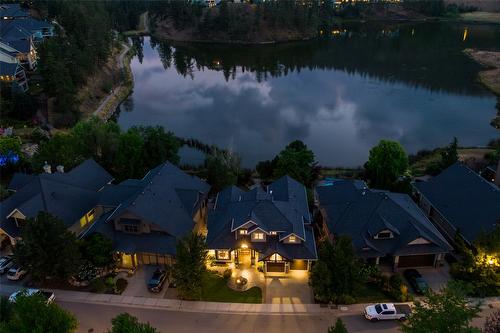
[416,261]
[276,267]
[299,265]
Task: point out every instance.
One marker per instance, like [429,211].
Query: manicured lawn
[371,294]
[215,289]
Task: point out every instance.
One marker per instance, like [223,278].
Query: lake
[340,94]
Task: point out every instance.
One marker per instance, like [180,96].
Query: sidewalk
[207,307]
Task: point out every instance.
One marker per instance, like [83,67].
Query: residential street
[98,317]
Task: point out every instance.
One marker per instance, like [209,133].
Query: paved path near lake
[120,59]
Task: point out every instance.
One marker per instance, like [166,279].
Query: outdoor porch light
[244,246]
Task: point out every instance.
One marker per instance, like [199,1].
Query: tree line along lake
[340,93]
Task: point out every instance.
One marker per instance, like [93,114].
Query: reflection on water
[340,94]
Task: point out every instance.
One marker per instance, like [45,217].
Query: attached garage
[275,267]
[299,265]
[416,260]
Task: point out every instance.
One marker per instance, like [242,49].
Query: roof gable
[465,199]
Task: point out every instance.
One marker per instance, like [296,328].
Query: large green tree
[388,161]
[445,312]
[31,314]
[338,271]
[189,267]
[297,161]
[97,249]
[126,323]
[222,169]
[47,248]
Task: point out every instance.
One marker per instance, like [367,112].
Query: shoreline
[490,76]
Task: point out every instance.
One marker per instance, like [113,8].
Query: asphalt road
[98,317]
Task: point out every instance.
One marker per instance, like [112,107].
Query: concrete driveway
[436,278]
[137,284]
[290,289]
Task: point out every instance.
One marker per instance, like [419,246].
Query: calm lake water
[340,94]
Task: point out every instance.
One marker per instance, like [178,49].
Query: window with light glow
[243,231]
[292,239]
[258,236]
[222,255]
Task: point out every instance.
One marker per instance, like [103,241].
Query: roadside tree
[189,267]
[47,248]
[126,323]
[445,312]
[31,314]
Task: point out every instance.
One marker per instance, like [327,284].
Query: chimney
[60,168]
[47,168]
[497,176]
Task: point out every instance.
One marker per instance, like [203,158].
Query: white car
[387,311]
[16,273]
[31,291]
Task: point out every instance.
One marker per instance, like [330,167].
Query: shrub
[110,282]
[97,286]
[121,285]
[345,299]
[227,274]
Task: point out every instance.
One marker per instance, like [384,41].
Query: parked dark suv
[155,284]
[416,281]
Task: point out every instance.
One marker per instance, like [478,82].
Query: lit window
[274,233]
[222,255]
[258,235]
[275,257]
[292,239]
[243,232]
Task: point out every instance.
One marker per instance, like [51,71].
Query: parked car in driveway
[155,284]
[49,295]
[16,273]
[5,263]
[386,311]
[416,281]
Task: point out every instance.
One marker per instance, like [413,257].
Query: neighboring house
[145,218]
[23,50]
[37,29]
[459,201]
[386,228]
[12,73]
[71,196]
[492,173]
[267,228]
[12,11]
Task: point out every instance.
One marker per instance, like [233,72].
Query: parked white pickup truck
[387,311]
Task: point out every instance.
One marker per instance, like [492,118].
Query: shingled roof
[281,207]
[65,195]
[361,213]
[166,197]
[465,199]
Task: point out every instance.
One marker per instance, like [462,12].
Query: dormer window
[385,234]
[258,236]
[130,228]
[243,231]
[292,239]
[273,233]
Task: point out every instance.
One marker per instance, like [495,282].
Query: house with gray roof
[269,228]
[11,72]
[71,196]
[145,217]
[386,228]
[12,11]
[460,202]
